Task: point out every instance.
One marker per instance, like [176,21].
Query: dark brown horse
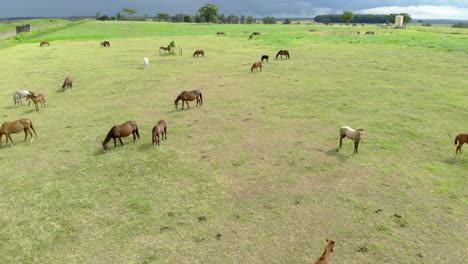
[370,33]
[256,33]
[325,257]
[265,57]
[164,49]
[68,83]
[17,126]
[159,129]
[44,43]
[37,99]
[255,66]
[105,43]
[120,131]
[281,53]
[187,96]
[199,52]
[461,139]
[220,33]
[251,36]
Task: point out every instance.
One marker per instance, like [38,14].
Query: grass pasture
[252,176]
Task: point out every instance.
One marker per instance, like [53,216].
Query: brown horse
[256,33]
[17,126]
[120,131]
[199,52]
[164,49]
[186,96]
[370,33]
[460,140]
[68,83]
[325,257]
[37,99]
[251,36]
[105,43]
[159,129]
[220,33]
[255,66]
[281,53]
[44,43]
[265,57]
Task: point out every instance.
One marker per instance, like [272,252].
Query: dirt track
[11,33]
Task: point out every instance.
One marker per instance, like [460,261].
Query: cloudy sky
[452,9]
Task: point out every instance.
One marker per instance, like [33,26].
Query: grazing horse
[370,33]
[146,61]
[350,133]
[220,33]
[120,131]
[17,126]
[281,53]
[105,43]
[37,99]
[265,57]
[256,33]
[460,140]
[44,43]
[186,96]
[159,129]
[255,66]
[164,49]
[251,36]
[68,83]
[325,257]
[199,52]
[17,96]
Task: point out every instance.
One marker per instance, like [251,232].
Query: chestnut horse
[17,126]
[255,66]
[186,96]
[37,99]
[220,33]
[460,140]
[159,129]
[164,49]
[369,33]
[265,57]
[256,33]
[199,52]
[44,43]
[325,257]
[120,131]
[282,52]
[68,83]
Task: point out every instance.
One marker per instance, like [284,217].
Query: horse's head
[330,244]
[176,102]
[360,130]
[105,146]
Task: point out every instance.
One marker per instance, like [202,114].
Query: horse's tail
[138,133]
[456,140]
[201,98]
[30,122]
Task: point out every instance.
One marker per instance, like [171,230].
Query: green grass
[11,24]
[252,176]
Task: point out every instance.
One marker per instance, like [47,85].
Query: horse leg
[9,135]
[31,134]
[25,134]
[21,101]
[165,133]
[458,149]
[341,140]
[134,136]
[120,139]
[188,105]
[356,145]
[115,143]
[37,107]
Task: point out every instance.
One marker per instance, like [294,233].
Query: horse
[255,66]
[220,33]
[37,99]
[325,257]
[350,133]
[164,49]
[105,43]
[186,96]
[68,83]
[159,129]
[146,61]
[251,36]
[256,33]
[199,52]
[17,96]
[265,57]
[120,131]
[17,126]
[282,52]
[44,43]
[460,140]
[370,33]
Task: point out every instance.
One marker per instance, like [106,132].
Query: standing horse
[105,43]
[44,43]
[164,49]
[460,140]
[265,57]
[17,126]
[186,96]
[369,33]
[255,66]
[199,52]
[350,133]
[325,257]
[256,33]
[120,131]
[37,99]
[17,96]
[68,83]
[220,33]
[281,53]
[159,129]
[146,61]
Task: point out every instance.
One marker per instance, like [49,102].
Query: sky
[418,9]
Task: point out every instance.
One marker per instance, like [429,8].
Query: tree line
[349,17]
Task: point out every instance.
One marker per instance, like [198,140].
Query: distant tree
[162,17]
[118,16]
[198,18]
[209,12]
[392,17]
[104,18]
[420,21]
[178,18]
[222,19]
[232,19]
[112,18]
[129,11]
[188,19]
[242,19]
[269,20]
[146,16]
[287,21]
[250,20]
[98,15]
[426,25]
[460,25]
[347,16]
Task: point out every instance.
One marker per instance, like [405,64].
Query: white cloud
[422,11]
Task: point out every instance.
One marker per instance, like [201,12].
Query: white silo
[399,21]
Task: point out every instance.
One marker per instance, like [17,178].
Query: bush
[460,25]
[287,21]
[427,25]
[269,20]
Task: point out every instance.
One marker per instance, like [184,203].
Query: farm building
[23,28]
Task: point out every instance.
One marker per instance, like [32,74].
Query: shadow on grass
[29,111]
[334,153]
[11,107]
[458,160]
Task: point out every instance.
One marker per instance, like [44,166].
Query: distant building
[23,28]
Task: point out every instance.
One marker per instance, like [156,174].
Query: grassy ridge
[11,24]
[257,161]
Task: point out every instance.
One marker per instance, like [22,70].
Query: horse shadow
[29,111]
[454,160]
[333,152]
[10,107]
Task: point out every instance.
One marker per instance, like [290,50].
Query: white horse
[350,133]
[21,94]
[146,61]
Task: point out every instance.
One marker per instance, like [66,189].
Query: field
[253,175]
[11,24]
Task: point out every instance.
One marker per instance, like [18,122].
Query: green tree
[118,16]
[162,17]
[222,19]
[347,16]
[188,19]
[177,18]
[232,19]
[209,12]
[98,15]
[250,20]
[242,19]
[269,20]
[129,11]
[287,21]
[392,17]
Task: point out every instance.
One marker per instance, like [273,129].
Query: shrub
[460,25]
